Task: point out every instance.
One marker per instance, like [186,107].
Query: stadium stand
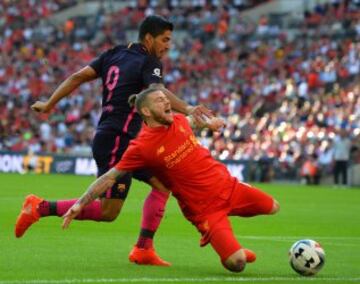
[284,89]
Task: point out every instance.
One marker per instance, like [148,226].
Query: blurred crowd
[284,92]
[24,12]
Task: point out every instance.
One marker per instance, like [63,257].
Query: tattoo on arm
[98,187]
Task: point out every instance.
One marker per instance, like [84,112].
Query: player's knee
[235,262]
[110,213]
[235,265]
[275,208]
[108,218]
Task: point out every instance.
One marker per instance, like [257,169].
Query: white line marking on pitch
[171,280]
[346,241]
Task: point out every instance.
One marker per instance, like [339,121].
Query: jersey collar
[155,129]
[138,46]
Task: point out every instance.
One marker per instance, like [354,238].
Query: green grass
[91,252]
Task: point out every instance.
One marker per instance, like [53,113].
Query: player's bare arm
[86,74]
[99,186]
[179,105]
[214,123]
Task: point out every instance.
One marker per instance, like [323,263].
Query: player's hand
[42,107]
[200,113]
[71,214]
[215,123]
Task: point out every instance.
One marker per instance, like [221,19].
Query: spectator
[342,147]
[310,170]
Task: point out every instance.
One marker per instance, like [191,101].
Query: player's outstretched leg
[35,207]
[153,211]
[232,255]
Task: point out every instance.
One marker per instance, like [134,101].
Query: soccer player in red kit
[205,190]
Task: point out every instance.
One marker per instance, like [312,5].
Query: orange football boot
[250,255]
[146,257]
[28,215]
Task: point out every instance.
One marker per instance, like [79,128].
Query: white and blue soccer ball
[306,257]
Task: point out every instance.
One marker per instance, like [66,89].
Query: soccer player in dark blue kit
[124,70]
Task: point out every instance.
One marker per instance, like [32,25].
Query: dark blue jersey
[124,70]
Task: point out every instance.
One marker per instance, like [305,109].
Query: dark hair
[139,100]
[154,25]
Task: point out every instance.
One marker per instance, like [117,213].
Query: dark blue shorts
[108,149]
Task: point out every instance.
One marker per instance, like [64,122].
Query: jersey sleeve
[132,158]
[152,71]
[97,63]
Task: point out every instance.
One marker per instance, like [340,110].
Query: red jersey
[175,156]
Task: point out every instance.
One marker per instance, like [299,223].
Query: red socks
[153,211]
[59,208]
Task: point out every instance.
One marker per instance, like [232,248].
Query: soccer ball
[306,257]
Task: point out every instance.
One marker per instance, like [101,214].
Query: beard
[161,118]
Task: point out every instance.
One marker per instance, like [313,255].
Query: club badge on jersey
[157,72]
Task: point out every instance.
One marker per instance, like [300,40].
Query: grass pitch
[91,252]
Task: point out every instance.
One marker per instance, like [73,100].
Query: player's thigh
[108,149]
[247,201]
[113,199]
[110,208]
[146,176]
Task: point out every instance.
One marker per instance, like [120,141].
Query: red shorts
[245,201]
